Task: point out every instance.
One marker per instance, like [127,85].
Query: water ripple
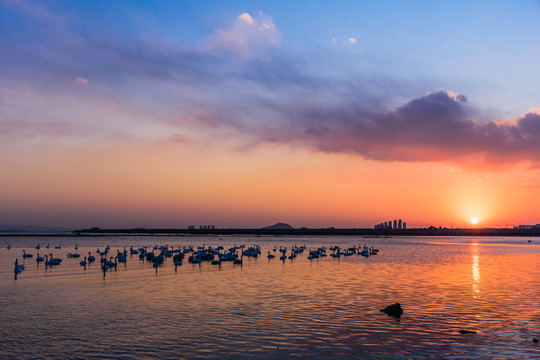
[267,309]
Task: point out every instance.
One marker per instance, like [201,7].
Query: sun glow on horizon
[474,220]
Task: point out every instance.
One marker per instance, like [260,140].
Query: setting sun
[474,220]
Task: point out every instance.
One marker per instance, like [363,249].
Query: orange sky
[187,184]
[244,116]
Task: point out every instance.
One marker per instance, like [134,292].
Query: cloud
[246,17]
[352,40]
[13,127]
[33,9]
[246,37]
[434,127]
[309,100]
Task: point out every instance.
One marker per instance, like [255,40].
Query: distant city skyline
[240,114]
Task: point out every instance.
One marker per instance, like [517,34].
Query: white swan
[53,261]
[110,263]
[18,268]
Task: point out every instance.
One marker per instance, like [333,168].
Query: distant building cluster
[392,224]
[537,226]
[202,227]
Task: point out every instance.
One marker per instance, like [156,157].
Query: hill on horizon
[279,226]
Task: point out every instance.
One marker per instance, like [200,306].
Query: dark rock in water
[393,310]
[467,332]
[535,340]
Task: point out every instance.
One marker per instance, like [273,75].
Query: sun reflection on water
[475,272]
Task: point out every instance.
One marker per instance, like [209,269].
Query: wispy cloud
[156,91]
[246,36]
[15,127]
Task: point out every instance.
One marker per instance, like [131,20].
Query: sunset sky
[246,113]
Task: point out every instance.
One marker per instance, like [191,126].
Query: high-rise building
[393,224]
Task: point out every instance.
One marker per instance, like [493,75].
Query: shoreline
[375,233]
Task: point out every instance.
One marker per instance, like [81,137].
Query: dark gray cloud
[434,127]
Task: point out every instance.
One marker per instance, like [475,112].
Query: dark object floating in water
[393,310]
[535,340]
[467,332]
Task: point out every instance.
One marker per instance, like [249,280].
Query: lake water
[324,308]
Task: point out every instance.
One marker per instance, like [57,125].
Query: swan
[70,255]
[37,247]
[58,247]
[239,261]
[83,262]
[53,261]
[271,256]
[110,263]
[39,258]
[18,268]
[121,257]
[91,258]
[9,246]
[25,255]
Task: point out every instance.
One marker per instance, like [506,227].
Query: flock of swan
[158,255]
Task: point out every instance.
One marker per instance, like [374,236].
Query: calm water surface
[268,309]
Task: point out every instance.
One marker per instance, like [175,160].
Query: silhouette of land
[324,231]
[279,229]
